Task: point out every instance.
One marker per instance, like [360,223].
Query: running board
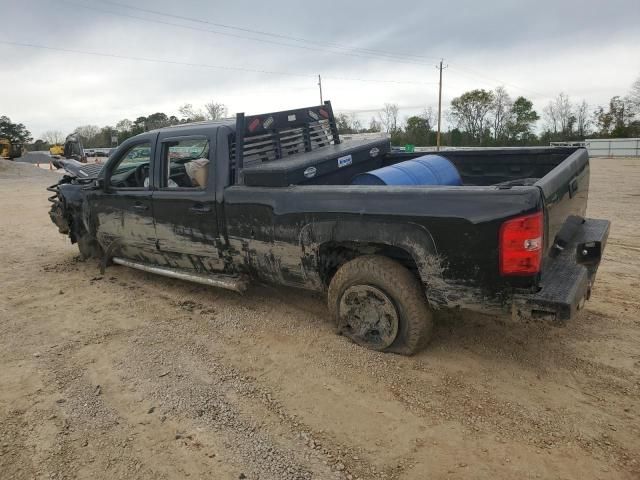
[236,283]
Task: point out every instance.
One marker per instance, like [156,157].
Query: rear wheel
[379,304]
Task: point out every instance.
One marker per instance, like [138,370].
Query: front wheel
[379,304]
[89,247]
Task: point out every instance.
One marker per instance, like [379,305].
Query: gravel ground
[129,375]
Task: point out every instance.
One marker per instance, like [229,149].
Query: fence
[613,147]
[606,147]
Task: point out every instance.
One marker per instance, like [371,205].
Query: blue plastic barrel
[425,170]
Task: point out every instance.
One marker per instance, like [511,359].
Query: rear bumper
[568,274]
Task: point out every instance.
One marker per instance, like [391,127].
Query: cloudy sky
[155,55]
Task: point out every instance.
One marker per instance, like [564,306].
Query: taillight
[521,245]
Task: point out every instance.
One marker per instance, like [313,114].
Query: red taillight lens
[521,245]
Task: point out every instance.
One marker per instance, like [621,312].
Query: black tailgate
[565,191]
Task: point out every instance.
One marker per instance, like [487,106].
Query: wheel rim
[368,316]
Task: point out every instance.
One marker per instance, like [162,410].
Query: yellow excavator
[57,149]
[9,149]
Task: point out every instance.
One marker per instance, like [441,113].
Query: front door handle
[141,206]
[200,208]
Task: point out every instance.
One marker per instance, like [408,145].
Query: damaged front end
[57,211]
[66,201]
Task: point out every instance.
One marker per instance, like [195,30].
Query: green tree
[38,146]
[471,113]
[523,118]
[617,121]
[342,123]
[417,131]
[139,125]
[15,132]
[157,120]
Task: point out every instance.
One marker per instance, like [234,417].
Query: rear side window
[185,163]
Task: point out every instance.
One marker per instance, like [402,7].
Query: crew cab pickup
[271,198]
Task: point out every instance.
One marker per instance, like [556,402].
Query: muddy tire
[89,247]
[379,304]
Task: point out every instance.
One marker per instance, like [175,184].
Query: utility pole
[320,86]
[439,67]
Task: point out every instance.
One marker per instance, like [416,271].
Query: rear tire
[379,304]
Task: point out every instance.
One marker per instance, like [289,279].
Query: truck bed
[480,167]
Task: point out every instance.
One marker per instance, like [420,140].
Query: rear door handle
[140,206]
[200,208]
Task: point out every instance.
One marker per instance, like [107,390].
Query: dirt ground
[129,375]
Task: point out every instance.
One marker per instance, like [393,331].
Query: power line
[363,52]
[203,65]
[270,34]
[367,51]
[234,35]
[478,76]
[374,110]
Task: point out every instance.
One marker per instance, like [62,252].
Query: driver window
[132,170]
[185,163]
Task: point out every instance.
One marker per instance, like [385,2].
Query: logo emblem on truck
[310,172]
[373,153]
[345,161]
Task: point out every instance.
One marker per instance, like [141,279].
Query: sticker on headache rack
[254,124]
[324,113]
[313,115]
[292,117]
[345,161]
[267,123]
[373,153]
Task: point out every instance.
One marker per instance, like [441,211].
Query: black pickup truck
[275,197]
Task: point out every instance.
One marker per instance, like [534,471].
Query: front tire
[89,247]
[379,304]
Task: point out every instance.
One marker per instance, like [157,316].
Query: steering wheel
[140,173]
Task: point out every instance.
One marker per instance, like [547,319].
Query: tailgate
[565,192]
[568,272]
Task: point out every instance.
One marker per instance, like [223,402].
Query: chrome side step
[236,283]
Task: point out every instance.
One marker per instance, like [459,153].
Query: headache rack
[273,136]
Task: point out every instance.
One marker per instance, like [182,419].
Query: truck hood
[79,170]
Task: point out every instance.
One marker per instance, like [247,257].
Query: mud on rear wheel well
[332,255]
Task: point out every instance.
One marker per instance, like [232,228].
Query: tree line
[93,136]
[477,117]
[482,117]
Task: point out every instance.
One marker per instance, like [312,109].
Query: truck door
[122,210]
[184,202]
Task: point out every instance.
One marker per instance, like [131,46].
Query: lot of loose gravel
[129,375]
